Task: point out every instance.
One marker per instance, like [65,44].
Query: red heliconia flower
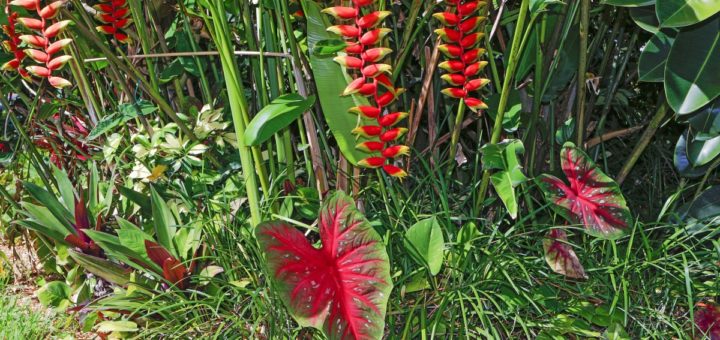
[12,45]
[359,27]
[461,38]
[114,14]
[40,45]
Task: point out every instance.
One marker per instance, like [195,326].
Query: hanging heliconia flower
[115,17]
[41,45]
[12,45]
[358,25]
[462,37]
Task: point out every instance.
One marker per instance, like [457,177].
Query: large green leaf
[646,18]
[691,75]
[503,157]
[707,205]
[425,242]
[164,221]
[630,3]
[651,67]
[44,222]
[54,294]
[276,116]
[52,204]
[331,81]
[682,160]
[680,13]
[702,152]
[105,269]
[707,121]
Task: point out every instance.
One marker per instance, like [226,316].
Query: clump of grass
[18,321]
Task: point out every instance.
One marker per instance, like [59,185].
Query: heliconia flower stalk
[12,45]
[461,39]
[358,25]
[114,14]
[40,45]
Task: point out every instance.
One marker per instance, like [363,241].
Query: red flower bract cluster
[41,47]
[114,14]
[66,145]
[461,37]
[358,25]
[12,45]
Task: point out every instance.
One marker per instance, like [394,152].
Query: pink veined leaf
[707,320]
[341,288]
[561,257]
[592,198]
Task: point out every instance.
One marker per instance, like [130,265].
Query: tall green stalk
[238,104]
[582,65]
[505,93]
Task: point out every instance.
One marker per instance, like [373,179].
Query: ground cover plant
[364,169]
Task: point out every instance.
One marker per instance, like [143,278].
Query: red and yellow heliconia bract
[12,45]
[359,25]
[114,14]
[461,38]
[40,47]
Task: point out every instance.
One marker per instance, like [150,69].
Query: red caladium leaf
[561,257]
[707,320]
[341,288]
[592,198]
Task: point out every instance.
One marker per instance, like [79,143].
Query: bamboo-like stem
[455,136]
[582,65]
[505,94]
[238,104]
[644,141]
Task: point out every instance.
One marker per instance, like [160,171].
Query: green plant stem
[454,138]
[709,171]
[644,141]
[582,65]
[238,104]
[505,94]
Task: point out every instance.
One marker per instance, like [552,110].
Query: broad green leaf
[565,132]
[164,221]
[116,326]
[341,288]
[126,112]
[331,81]
[707,205]
[511,119]
[276,116]
[133,238]
[680,13]
[691,74]
[702,152]
[707,121]
[682,161]
[66,189]
[329,47]
[114,248]
[52,204]
[503,157]
[54,294]
[105,269]
[425,242]
[654,56]
[646,18]
[629,3]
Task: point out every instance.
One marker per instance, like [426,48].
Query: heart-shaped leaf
[561,257]
[425,242]
[592,198]
[341,288]
[707,320]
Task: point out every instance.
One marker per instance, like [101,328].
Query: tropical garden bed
[360,169]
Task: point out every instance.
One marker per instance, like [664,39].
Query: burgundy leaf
[707,320]
[592,198]
[341,288]
[561,257]
[157,253]
[175,272]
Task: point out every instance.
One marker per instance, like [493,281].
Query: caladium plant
[342,287]
[707,320]
[592,198]
[560,256]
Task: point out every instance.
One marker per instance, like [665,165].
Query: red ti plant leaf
[707,320]
[592,198]
[173,270]
[341,288]
[561,257]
